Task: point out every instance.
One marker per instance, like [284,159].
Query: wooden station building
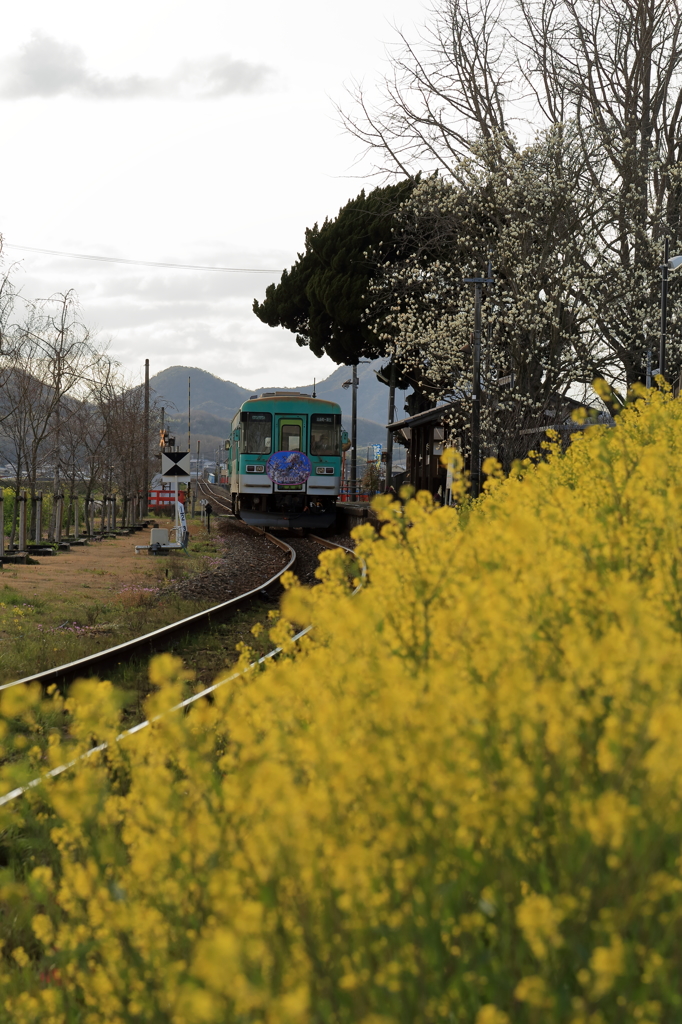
[427,434]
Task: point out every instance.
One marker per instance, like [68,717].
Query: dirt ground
[96,570]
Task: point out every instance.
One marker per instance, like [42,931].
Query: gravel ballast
[249,561]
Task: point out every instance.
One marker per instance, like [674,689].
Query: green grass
[38,633]
[207,653]
[57,628]
[54,629]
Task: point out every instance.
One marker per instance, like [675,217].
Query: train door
[291,437]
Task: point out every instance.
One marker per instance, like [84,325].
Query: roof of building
[419,418]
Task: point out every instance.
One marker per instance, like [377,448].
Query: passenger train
[284,460]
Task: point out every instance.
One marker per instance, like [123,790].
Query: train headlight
[255,469]
[323,470]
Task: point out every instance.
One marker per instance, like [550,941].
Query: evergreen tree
[324,297]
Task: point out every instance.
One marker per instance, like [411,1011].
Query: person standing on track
[208,509]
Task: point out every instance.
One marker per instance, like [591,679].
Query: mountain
[210,394]
[372,394]
[215,401]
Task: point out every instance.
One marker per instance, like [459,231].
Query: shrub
[458,799]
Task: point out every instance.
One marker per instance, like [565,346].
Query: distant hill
[210,394]
[372,394]
[215,401]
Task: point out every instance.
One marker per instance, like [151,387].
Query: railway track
[149,643]
[157,640]
[306,545]
[217,495]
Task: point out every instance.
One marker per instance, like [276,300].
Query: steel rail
[211,491]
[54,772]
[150,641]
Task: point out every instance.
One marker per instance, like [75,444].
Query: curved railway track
[151,642]
[148,643]
[304,544]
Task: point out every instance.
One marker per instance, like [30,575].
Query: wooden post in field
[22,521]
[58,517]
[39,518]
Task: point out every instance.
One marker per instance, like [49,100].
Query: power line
[140,263]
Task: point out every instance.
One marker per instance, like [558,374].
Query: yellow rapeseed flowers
[458,799]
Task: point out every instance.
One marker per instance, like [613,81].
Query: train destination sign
[175,465]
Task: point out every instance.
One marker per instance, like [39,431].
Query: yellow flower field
[458,799]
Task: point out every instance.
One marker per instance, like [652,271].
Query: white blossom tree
[608,73]
[541,338]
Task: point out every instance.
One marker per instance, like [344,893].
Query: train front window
[258,433]
[290,436]
[325,434]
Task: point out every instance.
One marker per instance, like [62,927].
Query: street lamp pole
[476,397]
[475,471]
[389,432]
[354,435]
[669,263]
[664,309]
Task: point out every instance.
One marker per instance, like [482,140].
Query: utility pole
[476,399]
[667,265]
[664,308]
[196,489]
[389,432]
[475,471]
[145,507]
[354,435]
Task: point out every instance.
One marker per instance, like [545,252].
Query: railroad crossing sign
[175,465]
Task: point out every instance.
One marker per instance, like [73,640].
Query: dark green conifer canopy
[323,298]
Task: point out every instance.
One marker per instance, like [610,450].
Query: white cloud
[231,183]
[46,67]
[175,316]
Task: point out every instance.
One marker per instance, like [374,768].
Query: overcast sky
[180,132]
